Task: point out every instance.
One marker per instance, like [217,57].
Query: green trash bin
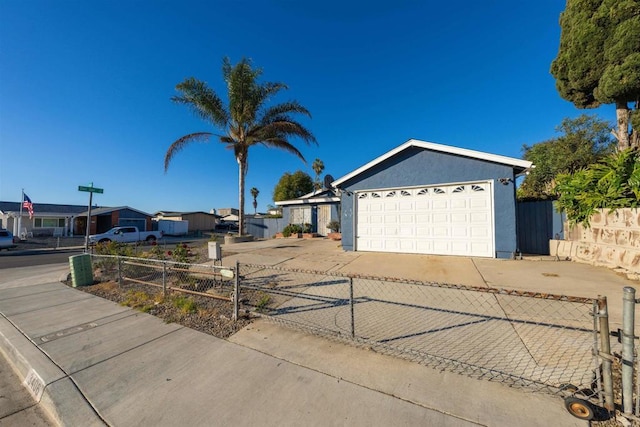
[81,270]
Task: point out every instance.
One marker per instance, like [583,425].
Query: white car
[6,239]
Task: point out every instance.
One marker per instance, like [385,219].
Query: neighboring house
[48,219]
[198,221]
[317,208]
[231,218]
[430,198]
[103,219]
[227,211]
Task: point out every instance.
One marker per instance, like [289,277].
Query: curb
[51,387]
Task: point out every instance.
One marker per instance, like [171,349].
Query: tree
[583,141]
[254,193]
[317,167]
[291,186]
[245,122]
[599,60]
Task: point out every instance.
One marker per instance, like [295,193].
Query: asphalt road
[17,407]
[18,259]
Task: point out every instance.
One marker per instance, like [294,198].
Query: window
[423,192]
[459,189]
[438,191]
[363,195]
[48,222]
[375,195]
[391,194]
[476,188]
[404,193]
[300,215]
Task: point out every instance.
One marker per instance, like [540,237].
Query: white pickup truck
[125,235]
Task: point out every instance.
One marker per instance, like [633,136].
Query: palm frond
[288,128]
[202,100]
[284,145]
[272,113]
[181,143]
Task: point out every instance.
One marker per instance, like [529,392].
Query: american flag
[26,203]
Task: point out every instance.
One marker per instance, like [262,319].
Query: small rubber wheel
[579,408]
[568,387]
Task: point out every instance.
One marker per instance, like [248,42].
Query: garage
[428,198]
[454,219]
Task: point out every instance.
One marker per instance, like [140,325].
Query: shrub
[114,248]
[307,228]
[291,229]
[334,226]
[611,184]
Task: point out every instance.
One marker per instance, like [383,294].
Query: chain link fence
[199,279]
[538,341]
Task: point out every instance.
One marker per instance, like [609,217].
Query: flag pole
[20,217]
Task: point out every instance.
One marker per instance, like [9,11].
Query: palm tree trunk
[241,172]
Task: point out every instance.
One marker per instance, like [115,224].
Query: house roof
[44,209]
[317,196]
[172,213]
[518,164]
[106,210]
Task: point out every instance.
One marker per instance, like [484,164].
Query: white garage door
[444,220]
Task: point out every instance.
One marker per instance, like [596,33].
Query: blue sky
[85,89]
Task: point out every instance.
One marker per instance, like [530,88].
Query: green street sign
[90,189]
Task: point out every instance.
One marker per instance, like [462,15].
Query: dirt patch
[208,315]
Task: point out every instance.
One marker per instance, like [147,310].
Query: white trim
[510,161]
[308,201]
[411,187]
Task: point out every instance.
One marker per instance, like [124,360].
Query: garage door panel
[459,218]
[440,204]
[478,203]
[440,231]
[459,204]
[445,219]
[440,218]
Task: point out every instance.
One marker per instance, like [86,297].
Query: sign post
[91,189]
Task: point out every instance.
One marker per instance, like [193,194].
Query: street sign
[91,189]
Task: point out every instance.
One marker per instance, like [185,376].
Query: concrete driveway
[540,274]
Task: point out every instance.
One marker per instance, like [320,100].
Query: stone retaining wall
[612,240]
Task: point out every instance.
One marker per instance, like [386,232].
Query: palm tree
[245,122]
[317,167]
[254,193]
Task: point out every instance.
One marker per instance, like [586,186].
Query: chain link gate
[541,342]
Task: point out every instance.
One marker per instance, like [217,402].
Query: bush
[611,184]
[334,226]
[114,248]
[307,228]
[291,229]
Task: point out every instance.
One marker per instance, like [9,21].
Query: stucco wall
[613,240]
[417,166]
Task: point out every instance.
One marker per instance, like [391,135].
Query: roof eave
[495,158]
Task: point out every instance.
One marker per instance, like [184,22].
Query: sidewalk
[93,362]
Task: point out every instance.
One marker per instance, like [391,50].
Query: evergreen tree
[599,60]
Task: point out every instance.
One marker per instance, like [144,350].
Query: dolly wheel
[579,408]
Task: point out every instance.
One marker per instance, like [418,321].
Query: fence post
[236,293]
[605,353]
[353,320]
[120,272]
[164,279]
[628,320]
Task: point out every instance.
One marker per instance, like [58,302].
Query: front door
[324,217]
